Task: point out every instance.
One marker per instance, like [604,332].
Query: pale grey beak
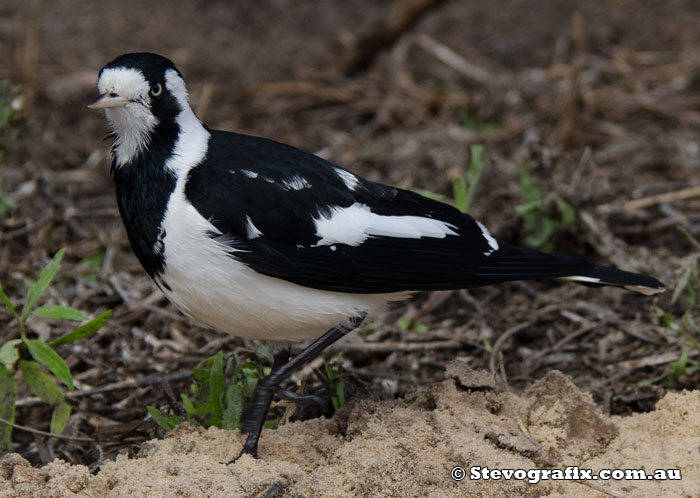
[108,99]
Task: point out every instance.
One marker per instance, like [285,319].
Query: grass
[544,216]
[681,321]
[11,115]
[221,389]
[40,366]
[463,186]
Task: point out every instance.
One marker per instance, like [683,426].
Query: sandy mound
[406,448]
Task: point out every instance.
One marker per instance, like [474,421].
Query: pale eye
[157,90]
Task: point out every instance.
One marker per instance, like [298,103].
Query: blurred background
[572,126]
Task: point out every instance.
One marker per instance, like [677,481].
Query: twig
[451,58]
[402,15]
[602,489]
[499,343]
[648,361]
[390,347]
[117,386]
[44,433]
[502,371]
[652,200]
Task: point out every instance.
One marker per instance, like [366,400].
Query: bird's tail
[603,275]
[518,263]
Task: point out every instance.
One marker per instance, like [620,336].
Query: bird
[262,240]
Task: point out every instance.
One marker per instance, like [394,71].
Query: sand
[406,447]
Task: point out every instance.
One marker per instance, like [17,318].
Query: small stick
[452,59]
[653,200]
[117,386]
[390,347]
[602,489]
[402,15]
[499,343]
[44,433]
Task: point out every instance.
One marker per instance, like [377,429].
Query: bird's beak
[107,100]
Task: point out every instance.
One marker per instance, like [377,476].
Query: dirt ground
[599,101]
[406,448]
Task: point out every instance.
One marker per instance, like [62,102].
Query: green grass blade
[234,402]
[528,188]
[59,312]
[217,385]
[165,420]
[459,191]
[43,353]
[8,396]
[40,286]
[40,383]
[187,403]
[7,302]
[59,418]
[83,331]
[476,166]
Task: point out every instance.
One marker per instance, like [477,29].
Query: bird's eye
[157,90]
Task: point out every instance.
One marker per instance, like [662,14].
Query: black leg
[254,414]
[302,399]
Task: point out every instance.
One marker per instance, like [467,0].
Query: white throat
[133,123]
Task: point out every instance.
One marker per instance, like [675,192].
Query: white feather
[493,243]
[209,284]
[251,230]
[354,224]
[134,122]
[295,183]
[348,178]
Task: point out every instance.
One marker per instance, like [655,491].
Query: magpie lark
[262,240]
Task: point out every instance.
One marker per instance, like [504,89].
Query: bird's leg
[255,412]
[302,399]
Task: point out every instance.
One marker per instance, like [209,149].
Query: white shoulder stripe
[354,224]
[493,243]
[252,231]
[193,139]
[348,178]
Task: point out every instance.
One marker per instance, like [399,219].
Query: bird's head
[140,93]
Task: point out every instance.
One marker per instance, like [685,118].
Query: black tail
[603,275]
[518,263]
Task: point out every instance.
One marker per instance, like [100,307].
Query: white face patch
[348,178]
[354,224]
[134,122]
[295,183]
[493,243]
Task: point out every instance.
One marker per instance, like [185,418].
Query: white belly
[209,284]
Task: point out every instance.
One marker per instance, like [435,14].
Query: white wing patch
[354,224]
[251,230]
[348,178]
[295,183]
[493,243]
[249,174]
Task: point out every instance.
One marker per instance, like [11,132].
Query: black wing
[265,198]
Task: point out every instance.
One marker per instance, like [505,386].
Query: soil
[405,447]
[598,101]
